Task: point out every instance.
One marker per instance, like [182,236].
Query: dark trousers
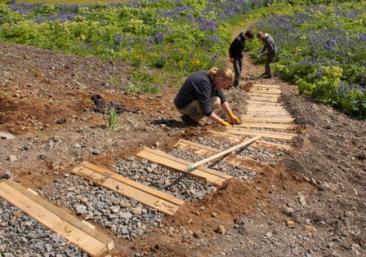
[267,66]
[238,63]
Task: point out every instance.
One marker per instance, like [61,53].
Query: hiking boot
[189,121]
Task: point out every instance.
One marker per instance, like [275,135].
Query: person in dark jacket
[269,49]
[201,94]
[236,50]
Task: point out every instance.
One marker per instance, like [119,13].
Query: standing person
[270,47]
[236,53]
[201,94]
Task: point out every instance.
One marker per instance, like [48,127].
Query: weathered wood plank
[212,176]
[267,125]
[268,134]
[73,220]
[75,235]
[258,143]
[248,118]
[109,182]
[132,183]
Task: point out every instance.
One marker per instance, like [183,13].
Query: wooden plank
[212,176]
[258,143]
[248,118]
[262,90]
[56,223]
[266,125]
[255,103]
[268,134]
[134,184]
[267,86]
[81,224]
[269,96]
[233,159]
[126,190]
[219,154]
[262,99]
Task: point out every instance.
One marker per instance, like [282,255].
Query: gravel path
[157,176]
[235,171]
[123,216]
[21,235]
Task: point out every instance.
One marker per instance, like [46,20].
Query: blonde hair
[225,73]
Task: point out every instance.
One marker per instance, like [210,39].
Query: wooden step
[267,96]
[161,201]
[248,118]
[253,103]
[268,134]
[262,90]
[232,159]
[212,176]
[269,115]
[266,125]
[79,232]
[267,86]
[263,99]
[259,143]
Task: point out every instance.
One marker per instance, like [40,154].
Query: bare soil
[310,204]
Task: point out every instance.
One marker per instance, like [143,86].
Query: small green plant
[111,119]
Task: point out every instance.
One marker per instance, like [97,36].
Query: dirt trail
[309,204]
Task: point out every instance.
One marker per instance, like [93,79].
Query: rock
[290,223]
[310,228]
[269,234]
[6,135]
[214,214]
[77,146]
[356,249]
[80,209]
[136,210]
[221,230]
[115,209]
[124,204]
[8,255]
[5,175]
[12,158]
[302,199]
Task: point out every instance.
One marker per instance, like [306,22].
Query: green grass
[78,2]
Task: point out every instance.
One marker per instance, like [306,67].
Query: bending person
[201,94]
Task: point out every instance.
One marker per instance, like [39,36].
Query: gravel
[235,171]
[125,217]
[150,174]
[21,235]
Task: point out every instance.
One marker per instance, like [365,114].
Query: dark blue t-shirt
[199,86]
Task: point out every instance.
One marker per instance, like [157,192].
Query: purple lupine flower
[159,37]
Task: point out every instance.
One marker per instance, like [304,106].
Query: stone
[214,214]
[80,209]
[136,210]
[302,199]
[356,249]
[269,234]
[6,135]
[290,223]
[5,175]
[12,158]
[221,230]
[124,204]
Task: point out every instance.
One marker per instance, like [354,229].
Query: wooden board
[212,176]
[258,143]
[232,159]
[266,125]
[268,134]
[267,86]
[248,118]
[156,199]
[263,99]
[262,90]
[254,103]
[56,219]
[267,96]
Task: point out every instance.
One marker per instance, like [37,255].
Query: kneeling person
[202,93]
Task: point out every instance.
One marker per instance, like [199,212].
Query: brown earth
[46,102]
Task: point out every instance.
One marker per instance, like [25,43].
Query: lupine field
[322,48]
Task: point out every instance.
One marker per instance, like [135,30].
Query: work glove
[234,119]
[225,123]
